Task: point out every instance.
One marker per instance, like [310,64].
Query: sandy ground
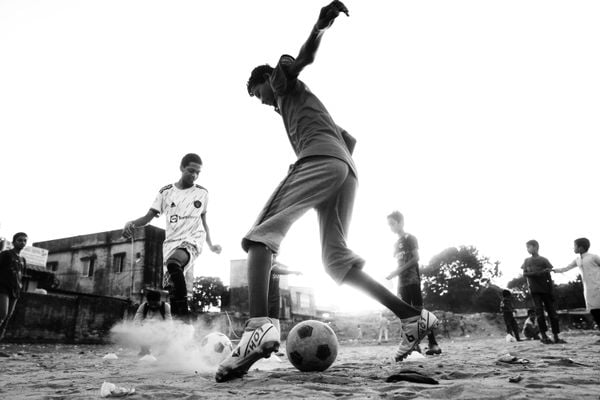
[467,369]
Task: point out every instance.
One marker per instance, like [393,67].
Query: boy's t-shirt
[403,251]
[183,209]
[541,284]
[310,128]
[589,266]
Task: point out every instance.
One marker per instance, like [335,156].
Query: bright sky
[479,120]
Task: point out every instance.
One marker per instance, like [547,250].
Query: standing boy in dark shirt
[537,271]
[323,179]
[12,266]
[508,311]
[406,251]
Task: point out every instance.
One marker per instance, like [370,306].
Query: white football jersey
[183,209]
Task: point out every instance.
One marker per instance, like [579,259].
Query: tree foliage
[207,292]
[455,279]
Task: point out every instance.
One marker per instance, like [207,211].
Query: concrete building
[106,264]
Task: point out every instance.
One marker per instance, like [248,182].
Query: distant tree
[569,295]
[455,277]
[207,292]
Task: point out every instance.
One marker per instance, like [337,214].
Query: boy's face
[20,243]
[190,173]
[578,249]
[396,226]
[532,249]
[264,93]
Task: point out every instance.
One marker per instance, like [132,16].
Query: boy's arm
[139,314]
[569,267]
[141,221]
[281,269]
[168,315]
[309,49]
[214,248]
[413,261]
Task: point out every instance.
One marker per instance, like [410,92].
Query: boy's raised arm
[309,49]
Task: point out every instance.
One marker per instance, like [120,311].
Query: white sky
[477,119]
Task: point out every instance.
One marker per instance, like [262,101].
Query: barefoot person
[589,267]
[406,252]
[12,266]
[324,179]
[184,205]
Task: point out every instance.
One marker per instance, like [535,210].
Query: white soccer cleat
[414,329]
[259,340]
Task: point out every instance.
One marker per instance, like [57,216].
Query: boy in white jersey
[324,179]
[184,206]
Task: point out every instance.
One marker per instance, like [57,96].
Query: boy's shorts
[325,184]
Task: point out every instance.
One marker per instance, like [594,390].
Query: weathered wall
[54,318]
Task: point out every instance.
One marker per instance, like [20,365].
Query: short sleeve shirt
[541,284]
[403,250]
[310,128]
[183,209]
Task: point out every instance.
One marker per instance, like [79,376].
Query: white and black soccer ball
[312,346]
[215,347]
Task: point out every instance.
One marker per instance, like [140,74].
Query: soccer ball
[215,347]
[312,346]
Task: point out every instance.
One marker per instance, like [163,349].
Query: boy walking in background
[324,179]
[537,271]
[406,251]
[508,311]
[589,267]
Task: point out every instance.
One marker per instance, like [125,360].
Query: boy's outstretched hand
[329,13]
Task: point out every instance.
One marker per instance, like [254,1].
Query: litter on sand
[110,356]
[111,390]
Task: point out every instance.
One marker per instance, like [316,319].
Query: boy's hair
[152,295]
[533,243]
[530,312]
[583,242]
[258,76]
[506,293]
[18,235]
[190,158]
[396,216]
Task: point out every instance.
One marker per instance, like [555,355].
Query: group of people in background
[537,270]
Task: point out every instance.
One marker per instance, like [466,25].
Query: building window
[88,266]
[52,266]
[119,262]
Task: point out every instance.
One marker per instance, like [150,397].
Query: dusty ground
[468,369]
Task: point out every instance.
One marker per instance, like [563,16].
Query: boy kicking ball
[324,179]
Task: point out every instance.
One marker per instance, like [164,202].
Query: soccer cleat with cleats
[413,331]
[260,340]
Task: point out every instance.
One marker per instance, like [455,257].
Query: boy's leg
[412,295]
[176,263]
[541,318]
[345,267]
[548,300]
[261,337]
[12,304]
[308,183]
